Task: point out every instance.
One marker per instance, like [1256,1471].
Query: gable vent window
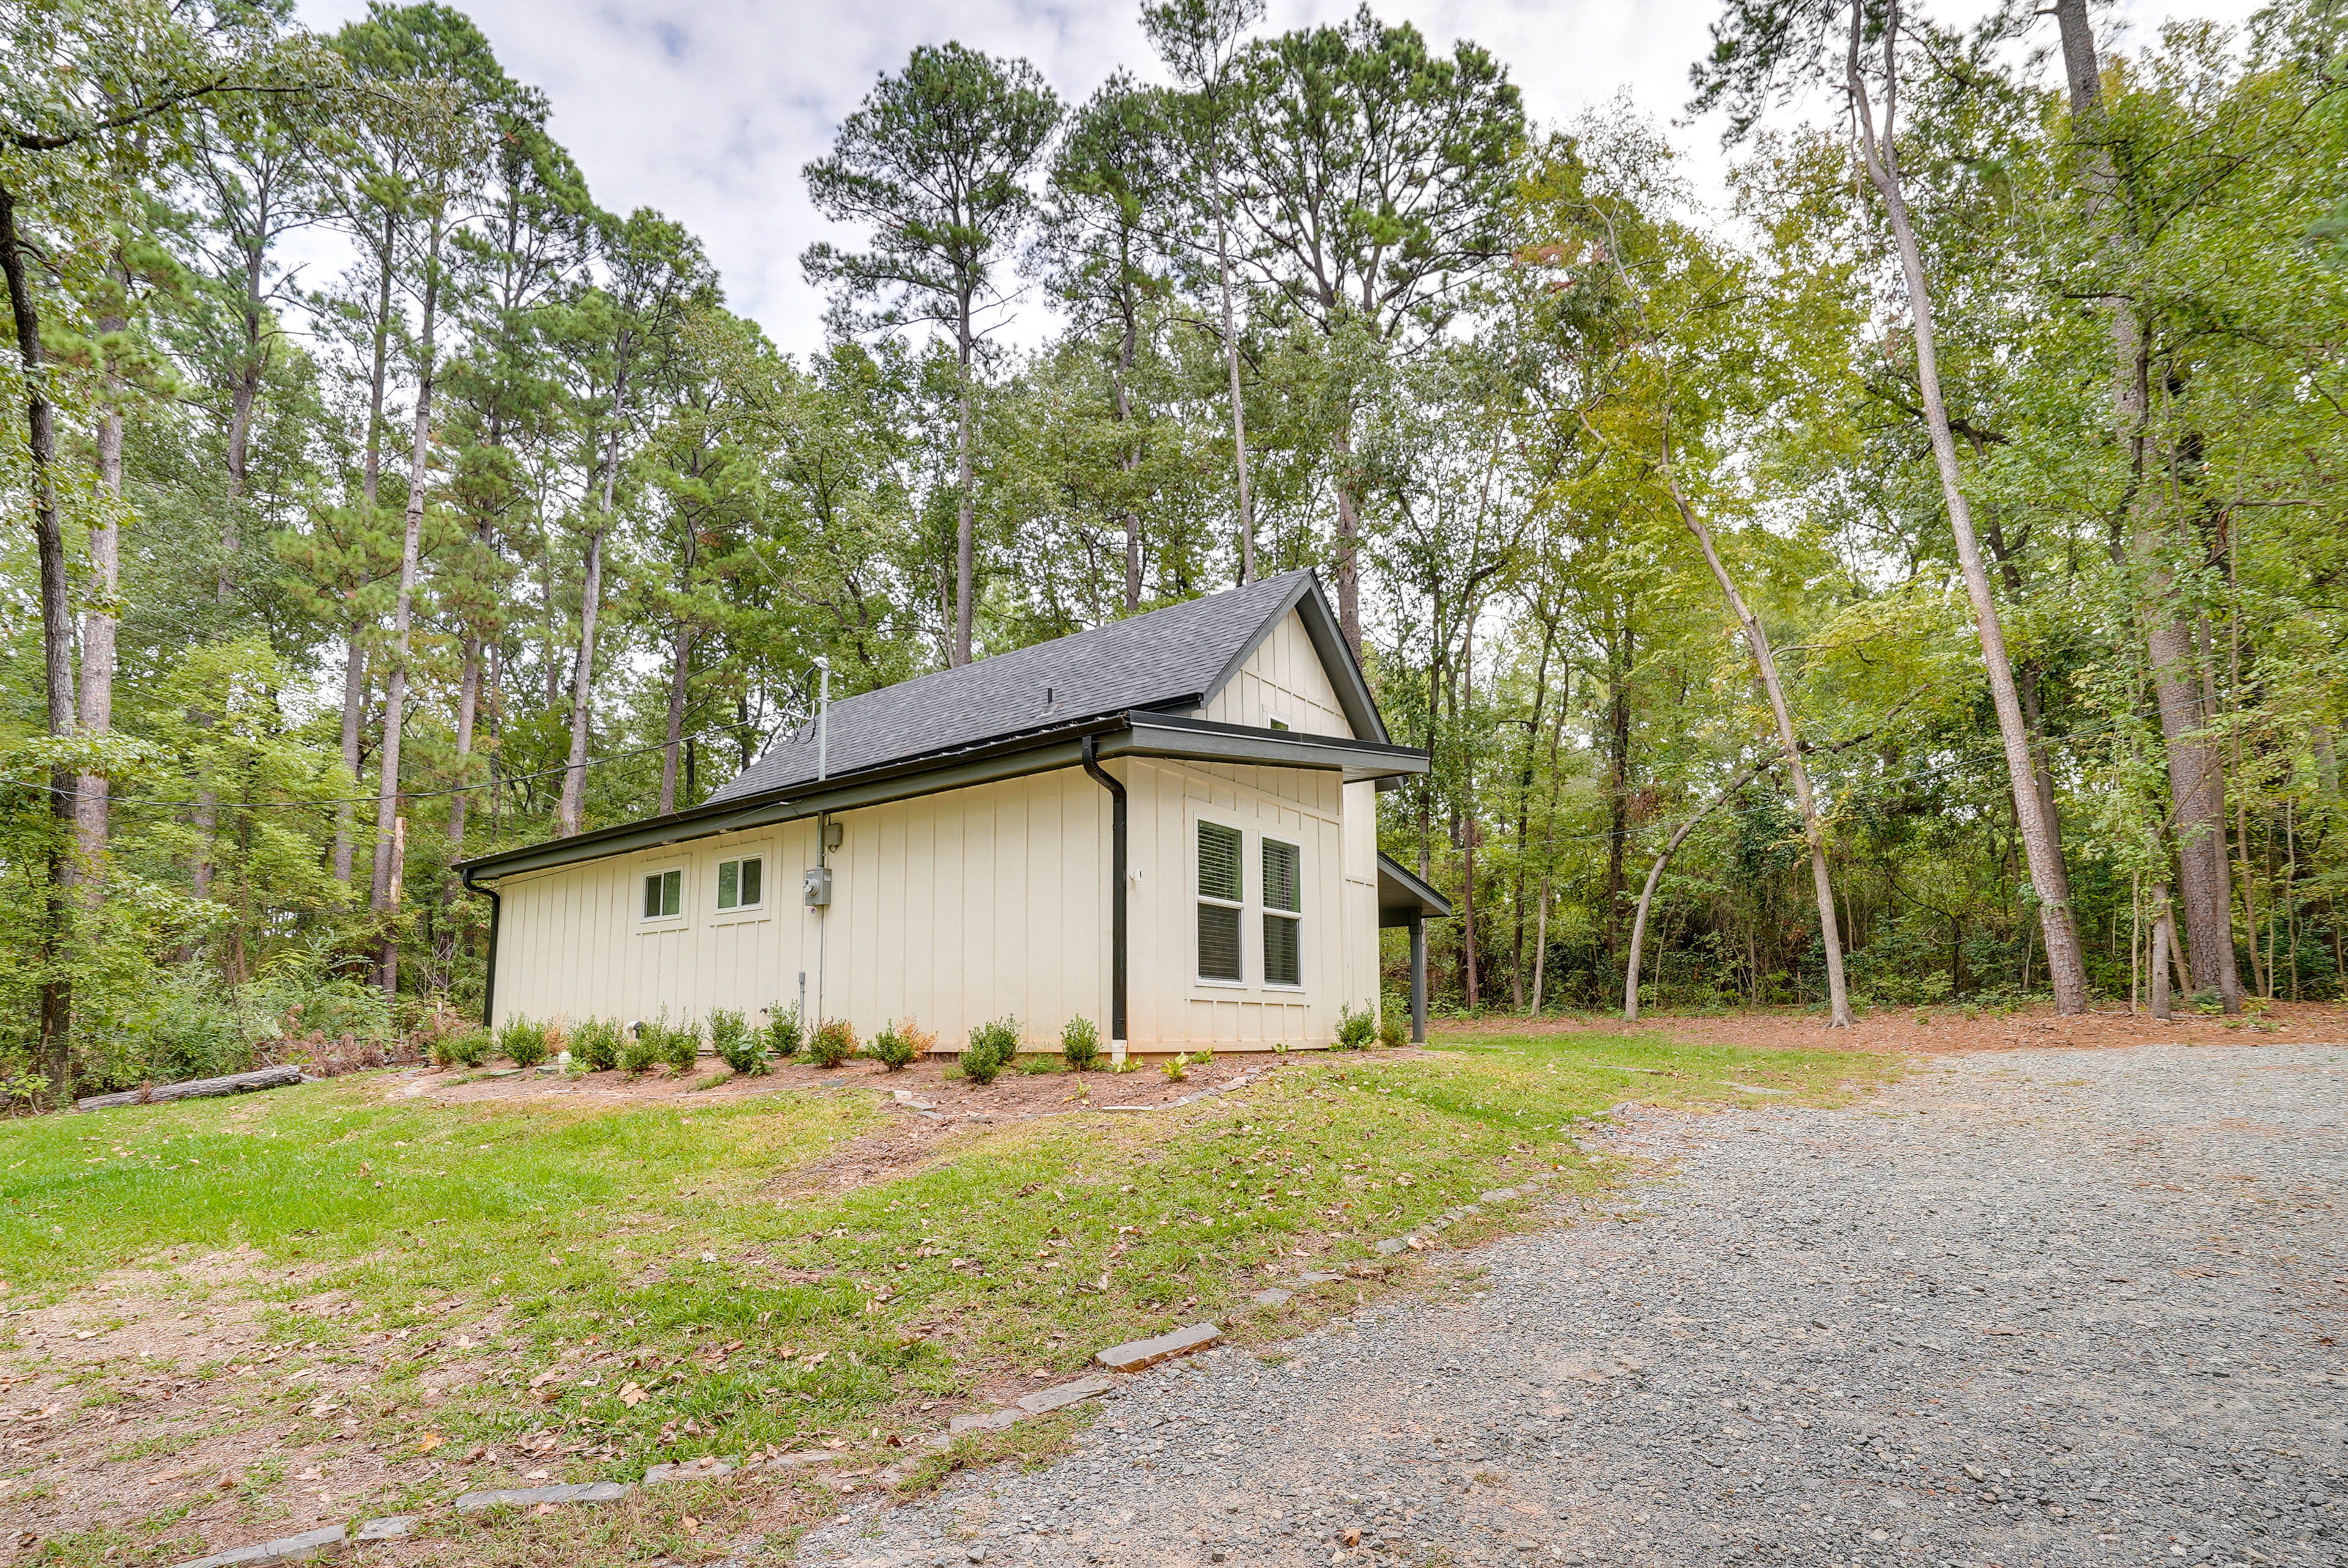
[740,883]
[1283,905]
[664,894]
[1220,894]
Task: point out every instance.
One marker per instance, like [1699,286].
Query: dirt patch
[1938,1031]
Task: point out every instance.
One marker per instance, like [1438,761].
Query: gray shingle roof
[1168,657]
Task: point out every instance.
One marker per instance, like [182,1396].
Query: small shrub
[1394,1027]
[895,1048]
[1356,1027]
[992,1046]
[737,1044]
[595,1045]
[525,1042]
[641,1048]
[680,1046]
[833,1044]
[785,1035]
[469,1047]
[1036,1063]
[1176,1067]
[1080,1044]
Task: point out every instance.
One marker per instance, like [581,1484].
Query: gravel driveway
[2040,1307]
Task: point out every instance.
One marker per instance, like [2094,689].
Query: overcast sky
[706,109]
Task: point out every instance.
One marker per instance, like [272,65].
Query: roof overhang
[1403,896]
[1061,745]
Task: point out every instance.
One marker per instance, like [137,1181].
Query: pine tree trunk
[387,890]
[571,809]
[2065,962]
[1349,583]
[468,701]
[680,653]
[965,484]
[1238,405]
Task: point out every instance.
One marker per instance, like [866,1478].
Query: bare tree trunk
[2196,784]
[1757,643]
[2065,963]
[680,650]
[1467,823]
[353,711]
[91,827]
[387,868]
[1129,457]
[56,1027]
[2161,944]
[1238,405]
[1655,875]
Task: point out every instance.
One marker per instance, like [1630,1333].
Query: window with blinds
[664,894]
[1221,894]
[1283,879]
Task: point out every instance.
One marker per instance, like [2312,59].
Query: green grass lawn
[661,1252]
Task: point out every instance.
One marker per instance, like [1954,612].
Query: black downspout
[1116,891]
[489,969]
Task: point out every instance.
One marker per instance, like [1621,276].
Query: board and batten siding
[1170,1007]
[573,944]
[948,910]
[976,903]
[1283,679]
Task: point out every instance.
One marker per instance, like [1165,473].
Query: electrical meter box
[818,886]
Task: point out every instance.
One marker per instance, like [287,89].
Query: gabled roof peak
[1167,660]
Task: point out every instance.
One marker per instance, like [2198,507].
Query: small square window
[740,883]
[664,894]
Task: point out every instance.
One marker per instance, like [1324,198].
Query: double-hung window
[1221,901]
[664,894]
[1283,907]
[741,884]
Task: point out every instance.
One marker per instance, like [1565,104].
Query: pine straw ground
[229,1320]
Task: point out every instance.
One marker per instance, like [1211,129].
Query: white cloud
[706,109]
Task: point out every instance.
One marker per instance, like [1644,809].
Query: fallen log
[194,1089]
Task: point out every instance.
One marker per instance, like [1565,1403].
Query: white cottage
[1168,824]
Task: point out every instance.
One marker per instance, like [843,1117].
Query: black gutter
[1116,888]
[489,970]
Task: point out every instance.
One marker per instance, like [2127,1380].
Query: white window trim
[1194,898]
[683,919]
[1297,914]
[762,910]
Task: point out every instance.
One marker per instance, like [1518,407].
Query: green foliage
[832,1043]
[464,1047]
[525,1044]
[1394,1025]
[1080,1045]
[595,1045]
[738,1045]
[642,1048]
[898,1046]
[991,1048]
[1177,1068]
[784,1036]
[1357,1028]
[678,1045]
